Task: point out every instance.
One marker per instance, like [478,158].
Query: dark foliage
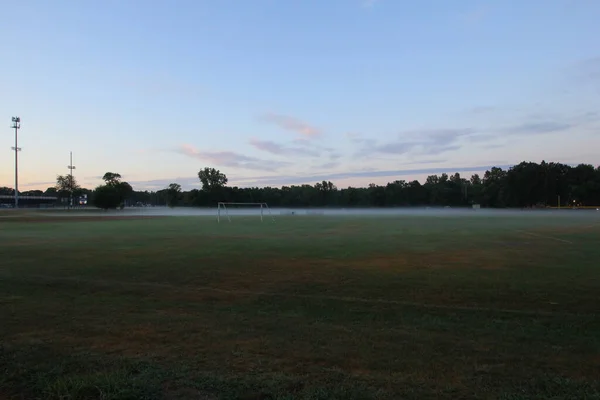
[106,196]
[527,184]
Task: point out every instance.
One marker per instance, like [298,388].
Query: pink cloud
[230,159]
[292,124]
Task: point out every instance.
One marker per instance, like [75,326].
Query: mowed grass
[485,307]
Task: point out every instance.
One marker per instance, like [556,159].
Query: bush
[106,197]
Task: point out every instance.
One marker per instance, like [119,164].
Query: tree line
[527,184]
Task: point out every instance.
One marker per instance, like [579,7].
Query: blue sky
[276,92]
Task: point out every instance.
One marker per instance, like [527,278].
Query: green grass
[303,308]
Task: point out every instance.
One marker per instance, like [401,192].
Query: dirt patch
[341,230]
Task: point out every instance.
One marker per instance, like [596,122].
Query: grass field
[484,307]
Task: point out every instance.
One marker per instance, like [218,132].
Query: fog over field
[334,212]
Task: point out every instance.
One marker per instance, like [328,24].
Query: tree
[51,191]
[527,184]
[114,193]
[173,194]
[212,178]
[494,188]
[112,178]
[6,191]
[33,193]
[66,184]
[106,196]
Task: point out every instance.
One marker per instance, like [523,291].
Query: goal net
[226,210]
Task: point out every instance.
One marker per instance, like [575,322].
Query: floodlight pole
[16,126]
[71,168]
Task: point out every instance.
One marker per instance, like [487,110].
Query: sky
[279,92]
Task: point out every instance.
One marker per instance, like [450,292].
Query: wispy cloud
[281,180]
[537,128]
[425,142]
[282,150]
[358,139]
[328,165]
[42,183]
[493,146]
[292,124]
[365,173]
[482,110]
[429,161]
[230,159]
[485,137]
[588,70]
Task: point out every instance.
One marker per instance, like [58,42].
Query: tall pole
[71,168]
[16,126]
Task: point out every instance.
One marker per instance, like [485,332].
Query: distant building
[27,201]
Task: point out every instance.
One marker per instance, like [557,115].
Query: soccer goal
[247,209]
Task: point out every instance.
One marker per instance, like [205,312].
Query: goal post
[224,207]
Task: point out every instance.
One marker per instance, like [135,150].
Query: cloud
[430,161]
[42,183]
[493,146]
[230,159]
[424,142]
[281,150]
[585,117]
[482,110]
[537,128]
[369,173]
[292,124]
[329,165]
[588,70]
[281,180]
[486,137]
[358,139]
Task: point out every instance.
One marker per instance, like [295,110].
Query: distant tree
[173,194]
[106,197]
[66,185]
[112,178]
[212,178]
[33,193]
[494,191]
[6,191]
[524,185]
[51,191]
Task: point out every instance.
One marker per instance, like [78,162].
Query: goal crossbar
[223,206]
